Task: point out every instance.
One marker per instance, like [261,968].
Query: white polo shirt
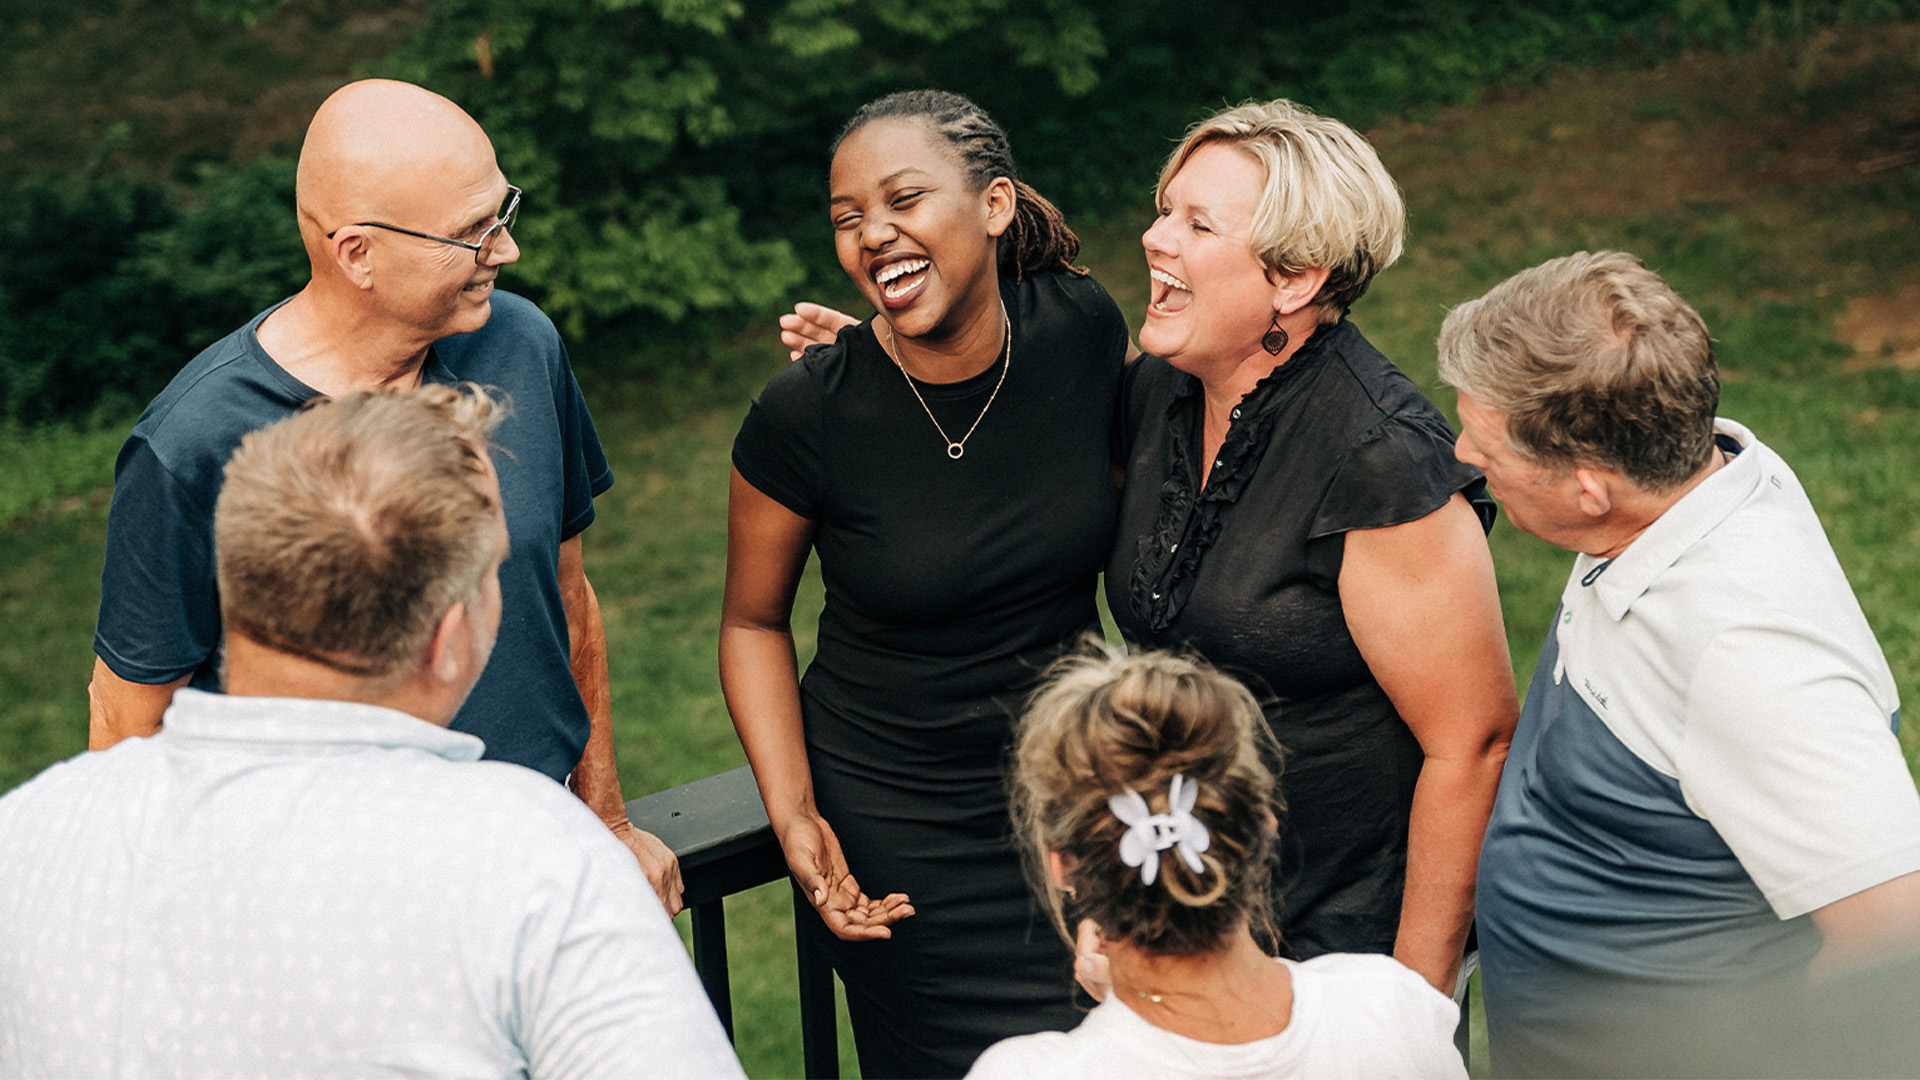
[1706,754]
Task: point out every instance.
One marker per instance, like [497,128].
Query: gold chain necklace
[956,449]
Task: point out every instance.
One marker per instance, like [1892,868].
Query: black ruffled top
[1242,564]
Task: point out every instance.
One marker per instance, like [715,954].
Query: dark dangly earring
[1275,339]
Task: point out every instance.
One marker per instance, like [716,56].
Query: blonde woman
[1146,811]
[1294,513]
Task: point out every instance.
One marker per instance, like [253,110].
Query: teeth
[899,269]
[1165,278]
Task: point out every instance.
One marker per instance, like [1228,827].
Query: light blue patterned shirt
[297,888]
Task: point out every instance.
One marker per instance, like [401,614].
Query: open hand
[811,324]
[813,854]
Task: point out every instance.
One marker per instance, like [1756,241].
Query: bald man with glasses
[407,221]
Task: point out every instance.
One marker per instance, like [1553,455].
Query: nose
[1464,453]
[877,231]
[505,250]
[1154,240]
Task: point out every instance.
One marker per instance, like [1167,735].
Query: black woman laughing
[951,462]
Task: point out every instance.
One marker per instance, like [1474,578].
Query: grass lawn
[1758,182]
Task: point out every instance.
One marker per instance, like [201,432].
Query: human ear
[1001,203]
[1596,491]
[1291,292]
[452,640]
[353,254]
[1057,870]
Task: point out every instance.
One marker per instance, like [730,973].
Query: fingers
[811,324]
[672,890]
[852,916]
[661,868]
[813,854]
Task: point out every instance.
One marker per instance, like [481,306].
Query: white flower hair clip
[1148,833]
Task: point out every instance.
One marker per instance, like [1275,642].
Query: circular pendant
[954,450]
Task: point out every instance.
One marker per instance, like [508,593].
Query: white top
[290,888]
[1725,649]
[1359,1016]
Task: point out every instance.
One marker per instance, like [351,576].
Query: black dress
[949,585]
[1245,571]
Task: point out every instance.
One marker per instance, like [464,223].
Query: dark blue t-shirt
[159,608]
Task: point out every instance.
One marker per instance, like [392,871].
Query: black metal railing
[718,829]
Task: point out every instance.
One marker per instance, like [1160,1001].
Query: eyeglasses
[483,247]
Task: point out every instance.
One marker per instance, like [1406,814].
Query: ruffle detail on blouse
[1167,559]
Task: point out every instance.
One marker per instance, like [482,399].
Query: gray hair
[1595,360]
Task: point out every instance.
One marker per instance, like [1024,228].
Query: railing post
[710,958]
[819,1030]
[719,831]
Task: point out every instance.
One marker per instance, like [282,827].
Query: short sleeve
[584,461]
[1400,471]
[778,447]
[1794,762]
[1108,325]
[159,605]
[602,982]
[1378,1018]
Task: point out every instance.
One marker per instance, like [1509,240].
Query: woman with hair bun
[1147,814]
[951,461]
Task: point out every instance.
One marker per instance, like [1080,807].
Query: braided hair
[1039,238]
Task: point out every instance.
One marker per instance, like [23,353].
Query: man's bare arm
[1873,924]
[118,709]
[596,779]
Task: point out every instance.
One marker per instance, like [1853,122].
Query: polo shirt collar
[304,723]
[1699,512]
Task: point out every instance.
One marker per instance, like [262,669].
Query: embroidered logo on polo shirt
[1596,694]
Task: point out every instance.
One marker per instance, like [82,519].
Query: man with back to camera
[309,874]
[406,221]
[1705,795]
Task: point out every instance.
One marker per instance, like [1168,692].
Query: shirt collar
[199,716]
[1683,525]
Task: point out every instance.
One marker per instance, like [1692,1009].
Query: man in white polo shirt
[1705,792]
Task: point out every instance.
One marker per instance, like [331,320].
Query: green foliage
[674,151]
[674,148]
[70,334]
[113,284]
[235,250]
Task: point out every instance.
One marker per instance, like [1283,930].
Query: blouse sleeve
[1107,332]
[778,447]
[1400,471]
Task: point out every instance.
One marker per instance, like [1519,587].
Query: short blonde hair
[344,532]
[1327,201]
[1104,722]
[1596,361]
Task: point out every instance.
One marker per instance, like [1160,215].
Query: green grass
[1735,180]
